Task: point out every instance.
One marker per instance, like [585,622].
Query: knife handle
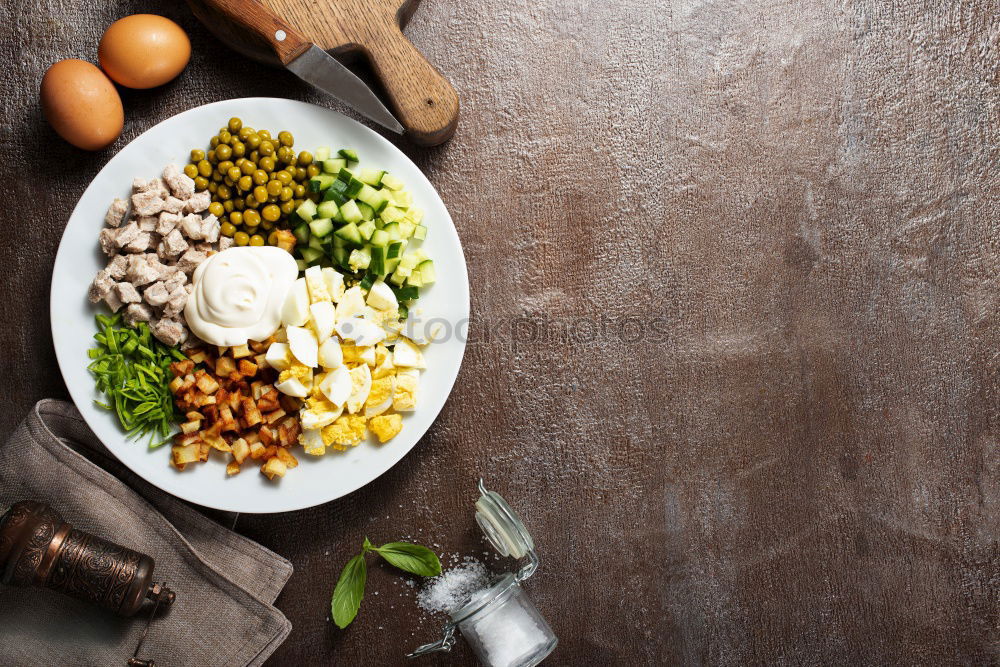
[425,102]
[286,42]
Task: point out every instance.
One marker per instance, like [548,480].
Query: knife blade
[321,70]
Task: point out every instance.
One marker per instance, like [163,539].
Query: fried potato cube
[191,426]
[257,450]
[274,467]
[248,367]
[175,385]
[275,416]
[232,468]
[183,455]
[241,450]
[181,368]
[225,366]
[241,351]
[286,457]
[250,412]
[206,382]
[196,355]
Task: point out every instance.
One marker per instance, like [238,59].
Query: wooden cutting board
[421,98]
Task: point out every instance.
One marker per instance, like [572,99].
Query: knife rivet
[280,35]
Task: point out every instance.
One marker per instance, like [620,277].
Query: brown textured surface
[774,437]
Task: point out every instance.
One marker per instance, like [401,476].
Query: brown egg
[143,50]
[82,104]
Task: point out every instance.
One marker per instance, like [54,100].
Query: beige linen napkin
[226,584]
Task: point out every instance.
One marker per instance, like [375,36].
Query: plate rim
[352,486]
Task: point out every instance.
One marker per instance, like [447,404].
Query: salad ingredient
[238,295]
[365,224]
[350,589]
[255,180]
[81,104]
[452,589]
[231,406]
[143,50]
[132,371]
[153,251]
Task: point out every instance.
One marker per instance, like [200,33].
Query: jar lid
[501,525]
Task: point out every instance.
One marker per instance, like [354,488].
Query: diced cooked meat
[225,242]
[142,185]
[156,294]
[160,186]
[170,332]
[127,293]
[179,183]
[112,300]
[140,272]
[174,244]
[210,228]
[190,260]
[191,226]
[108,238]
[167,222]
[117,266]
[147,223]
[138,312]
[175,280]
[139,244]
[173,204]
[127,234]
[99,288]
[148,202]
[116,212]
[176,302]
[198,202]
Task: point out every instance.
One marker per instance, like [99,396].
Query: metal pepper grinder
[38,548]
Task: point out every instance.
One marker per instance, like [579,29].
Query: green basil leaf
[349,591]
[367,546]
[411,558]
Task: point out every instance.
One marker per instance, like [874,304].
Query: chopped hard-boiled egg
[278,356]
[296,380]
[330,354]
[337,385]
[312,441]
[380,396]
[386,427]
[316,283]
[323,314]
[360,330]
[295,312]
[347,431]
[351,304]
[404,397]
[303,345]
[380,297]
[361,385]
[405,354]
[334,283]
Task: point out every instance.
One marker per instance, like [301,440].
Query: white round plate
[317,479]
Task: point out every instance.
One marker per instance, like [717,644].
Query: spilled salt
[447,591]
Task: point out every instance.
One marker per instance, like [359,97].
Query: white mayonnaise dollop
[238,294]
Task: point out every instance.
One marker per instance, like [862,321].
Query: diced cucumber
[321,153]
[307,210]
[414,278]
[321,182]
[321,227]
[377,264]
[395,250]
[302,233]
[339,253]
[406,293]
[420,232]
[391,182]
[391,214]
[416,215]
[310,255]
[327,209]
[401,199]
[380,238]
[301,265]
[427,273]
[335,194]
[360,259]
[315,242]
[390,265]
[367,282]
[371,176]
[397,278]
[348,154]
[367,228]
[350,212]
[419,253]
[409,261]
[367,212]
[406,228]
[377,200]
[392,230]
[334,165]
[350,233]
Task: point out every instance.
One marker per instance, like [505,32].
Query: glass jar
[499,622]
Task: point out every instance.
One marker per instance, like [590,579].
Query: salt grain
[449,590]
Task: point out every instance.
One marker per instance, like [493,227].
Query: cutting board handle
[425,103]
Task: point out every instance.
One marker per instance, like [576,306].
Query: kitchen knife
[307,61]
